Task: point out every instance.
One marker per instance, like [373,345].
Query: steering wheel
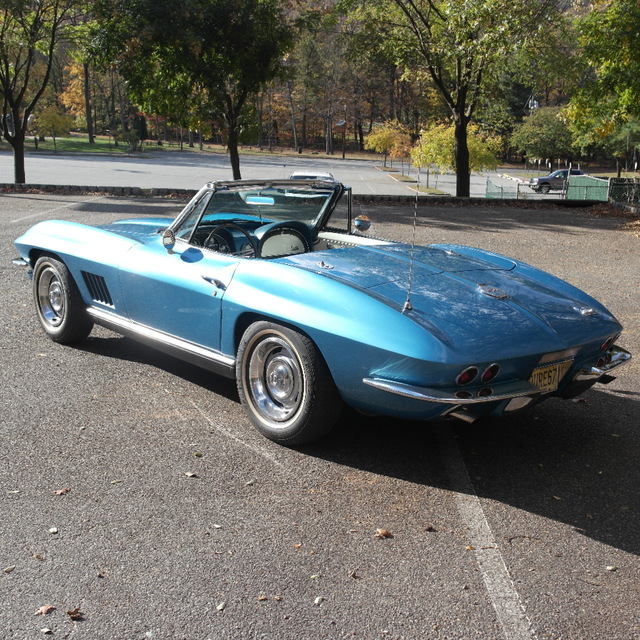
[217,241]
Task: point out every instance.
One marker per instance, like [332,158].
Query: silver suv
[556,180]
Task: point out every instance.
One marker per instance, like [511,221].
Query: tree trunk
[234,155]
[463,176]
[293,117]
[328,134]
[233,108]
[18,158]
[87,102]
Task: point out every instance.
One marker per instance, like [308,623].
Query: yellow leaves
[389,138]
[73,95]
[436,146]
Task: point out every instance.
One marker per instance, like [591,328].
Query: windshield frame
[263,193]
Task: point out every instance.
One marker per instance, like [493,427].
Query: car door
[559,179]
[178,291]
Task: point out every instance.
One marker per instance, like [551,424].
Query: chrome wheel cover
[51,297]
[274,380]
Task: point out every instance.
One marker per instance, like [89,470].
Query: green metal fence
[587,188]
[622,190]
[494,190]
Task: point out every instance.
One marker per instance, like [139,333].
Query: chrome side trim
[619,356]
[182,349]
[501,391]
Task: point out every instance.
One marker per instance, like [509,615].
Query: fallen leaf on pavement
[61,492]
[76,614]
[382,533]
[44,609]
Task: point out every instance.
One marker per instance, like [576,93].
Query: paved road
[191,170]
[518,529]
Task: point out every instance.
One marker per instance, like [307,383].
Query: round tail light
[490,373]
[606,344]
[467,376]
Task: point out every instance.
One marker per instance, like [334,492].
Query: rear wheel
[284,384]
[61,310]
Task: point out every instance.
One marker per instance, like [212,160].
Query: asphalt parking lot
[138,502]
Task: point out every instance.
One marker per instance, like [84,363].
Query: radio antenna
[407,305]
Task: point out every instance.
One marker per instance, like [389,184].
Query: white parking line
[502,592]
[44,214]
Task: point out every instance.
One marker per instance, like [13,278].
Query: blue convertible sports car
[274,283]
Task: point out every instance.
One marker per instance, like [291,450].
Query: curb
[187,194]
[114,191]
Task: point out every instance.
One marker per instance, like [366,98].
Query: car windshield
[308,202]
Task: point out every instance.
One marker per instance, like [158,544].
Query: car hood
[479,296]
[140,229]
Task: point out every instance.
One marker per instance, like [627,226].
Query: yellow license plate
[548,378]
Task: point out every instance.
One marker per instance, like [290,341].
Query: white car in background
[301,174]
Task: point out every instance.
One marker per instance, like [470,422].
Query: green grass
[77,144]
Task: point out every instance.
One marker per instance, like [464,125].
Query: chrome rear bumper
[619,356]
[501,391]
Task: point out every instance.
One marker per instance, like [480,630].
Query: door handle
[215,282]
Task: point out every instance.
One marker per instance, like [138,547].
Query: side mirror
[362,223]
[168,239]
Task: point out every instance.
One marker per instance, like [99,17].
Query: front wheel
[61,310]
[545,188]
[284,384]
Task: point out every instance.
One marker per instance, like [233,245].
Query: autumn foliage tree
[437,147]
[30,32]
[390,138]
[53,122]
[169,50]
[456,44]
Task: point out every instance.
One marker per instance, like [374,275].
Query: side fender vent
[97,288]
